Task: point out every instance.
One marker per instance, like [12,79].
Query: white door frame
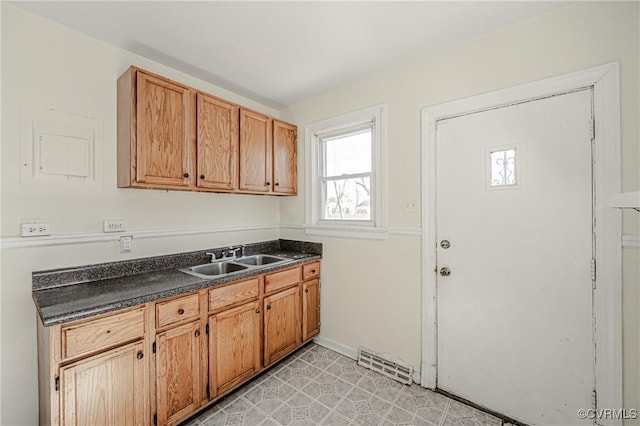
[605,80]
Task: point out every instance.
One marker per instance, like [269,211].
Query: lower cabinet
[178,372]
[106,389]
[282,331]
[154,364]
[310,309]
[234,346]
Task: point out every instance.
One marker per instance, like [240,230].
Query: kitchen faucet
[230,252]
[234,251]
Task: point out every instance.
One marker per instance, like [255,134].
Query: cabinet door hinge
[57,383]
[208,392]
[206,329]
[594,399]
[592,128]
[153,347]
[593,272]
[155,418]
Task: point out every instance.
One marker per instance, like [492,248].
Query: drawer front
[310,270]
[279,280]
[177,310]
[233,294]
[95,335]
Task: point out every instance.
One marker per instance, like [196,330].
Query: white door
[514,201]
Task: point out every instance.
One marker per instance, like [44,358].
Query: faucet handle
[238,251]
[213,256]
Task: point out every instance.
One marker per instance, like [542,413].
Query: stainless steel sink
[259,260]
[214,269]
[231,266]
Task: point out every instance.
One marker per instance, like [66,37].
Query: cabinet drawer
[95,335]
[310,270]
[279,280]
[232,294]
[177,310]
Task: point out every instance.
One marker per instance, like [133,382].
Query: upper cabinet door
[163,132]
[255,151]
[285,158]
[217,143]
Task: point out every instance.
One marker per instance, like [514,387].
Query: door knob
[445,271]
[445,244]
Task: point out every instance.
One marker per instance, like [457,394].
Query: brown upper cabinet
[155,134]
[285,158]
[171,136]
[217,143]
[256,138]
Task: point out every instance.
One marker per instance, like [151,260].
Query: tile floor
[316,386]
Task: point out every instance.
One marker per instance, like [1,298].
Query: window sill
[346,231]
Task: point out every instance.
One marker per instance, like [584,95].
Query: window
[502,166]
[345,175]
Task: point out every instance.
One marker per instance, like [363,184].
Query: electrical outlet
[114,226]
[126,244]
[35,229]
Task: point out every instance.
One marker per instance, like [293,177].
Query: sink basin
[259,260]
[218,268]
[230,266]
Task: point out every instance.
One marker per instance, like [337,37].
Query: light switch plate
[410,205]
[126,244]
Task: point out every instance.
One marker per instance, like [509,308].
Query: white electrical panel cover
[60,148]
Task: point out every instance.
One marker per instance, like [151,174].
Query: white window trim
[313,224]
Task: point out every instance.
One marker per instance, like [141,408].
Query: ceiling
[280,53]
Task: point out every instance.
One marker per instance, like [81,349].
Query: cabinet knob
[313,271]
[197,333]
[186,175]
[257,311]
[277,183]
[267,184]
[268,307]
[306,290]
[180,311]
[201,176]
[140,355]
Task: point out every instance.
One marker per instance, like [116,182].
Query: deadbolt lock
[445,244]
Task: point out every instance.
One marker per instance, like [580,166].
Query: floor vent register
[383,364]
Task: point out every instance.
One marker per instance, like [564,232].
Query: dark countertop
[61,303]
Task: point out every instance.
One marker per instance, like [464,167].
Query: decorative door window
[502,168]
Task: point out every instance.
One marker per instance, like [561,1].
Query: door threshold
[506,420]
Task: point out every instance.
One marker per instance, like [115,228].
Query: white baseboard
[345,350]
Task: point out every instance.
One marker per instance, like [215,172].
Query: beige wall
[51,66]
[367,299]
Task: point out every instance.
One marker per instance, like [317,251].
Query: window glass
[348,154]
[503,167]
[347,199]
